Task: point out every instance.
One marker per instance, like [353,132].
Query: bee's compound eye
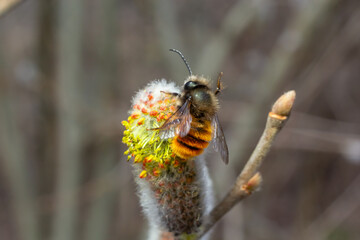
[190,85]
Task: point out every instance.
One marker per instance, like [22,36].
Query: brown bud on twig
[282,107]
[253,184]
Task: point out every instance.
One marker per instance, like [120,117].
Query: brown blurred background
[68,70]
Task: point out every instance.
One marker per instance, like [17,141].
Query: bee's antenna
[183,58]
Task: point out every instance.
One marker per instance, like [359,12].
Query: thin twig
[249,180]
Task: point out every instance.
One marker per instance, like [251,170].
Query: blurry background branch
[70,126]
[327,65]
[46,121]
[335,214]
[165,17]
[14,165]
[215,51]
[7,5]
[286,52]
[101,102]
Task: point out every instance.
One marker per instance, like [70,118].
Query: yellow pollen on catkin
[145,146]
[143,174]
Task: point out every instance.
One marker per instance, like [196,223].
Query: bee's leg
[218,88]
[171,93]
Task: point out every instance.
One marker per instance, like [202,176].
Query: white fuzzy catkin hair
[155,87]
[150,205]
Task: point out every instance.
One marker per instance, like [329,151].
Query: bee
[195,123]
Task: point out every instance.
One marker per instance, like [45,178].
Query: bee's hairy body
[203,107]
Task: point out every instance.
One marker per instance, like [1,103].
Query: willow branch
[249,179]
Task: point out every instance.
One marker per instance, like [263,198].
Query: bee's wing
[179,123]
[219,142]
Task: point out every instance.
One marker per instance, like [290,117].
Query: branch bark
[249,180]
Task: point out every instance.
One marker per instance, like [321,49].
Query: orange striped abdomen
[194,143]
